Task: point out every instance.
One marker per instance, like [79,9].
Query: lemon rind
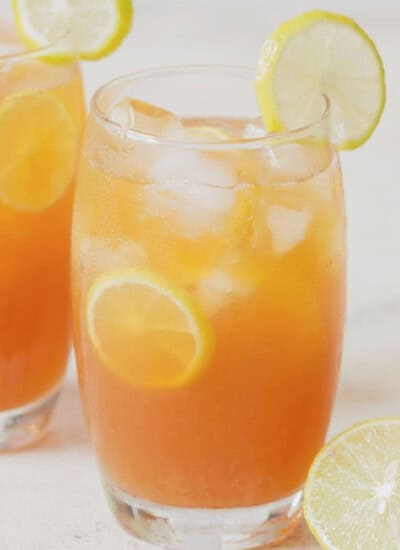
[270,56]
[201,329]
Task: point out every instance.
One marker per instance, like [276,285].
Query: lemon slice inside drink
[146,330]
[145,117]
[320,53]
[206,134]
[37,150]
[352,495]
[92,29]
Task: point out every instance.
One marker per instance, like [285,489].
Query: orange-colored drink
[245,236]
[41,121]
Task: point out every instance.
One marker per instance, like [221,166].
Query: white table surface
[50,496]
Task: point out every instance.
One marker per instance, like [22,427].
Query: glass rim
[253,142]
[37,51]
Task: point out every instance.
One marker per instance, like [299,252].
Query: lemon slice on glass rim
[93,28]
[148,331]
[320,53]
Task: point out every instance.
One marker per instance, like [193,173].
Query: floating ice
[192,192]
[122,113]
[220,288]
[295,162]
[254,130]
[138,115]
[288,227]
[99,254]
[175,166]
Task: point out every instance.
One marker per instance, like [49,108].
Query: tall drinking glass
[41,121]
[209,295]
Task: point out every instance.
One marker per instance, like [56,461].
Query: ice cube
[254,129]
[173,167]
[288,227]
[138,115]
[324,184]
[220,288]
[123,114]
[192,192]
[99,255]
[188,209]
[294,161]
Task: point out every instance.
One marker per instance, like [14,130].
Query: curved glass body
[252,227]
[41,123]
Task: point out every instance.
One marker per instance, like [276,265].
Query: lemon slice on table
[146,330]
[37,150]
[352,495]
[95,28]
[320,53]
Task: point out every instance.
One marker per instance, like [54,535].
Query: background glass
[41,123]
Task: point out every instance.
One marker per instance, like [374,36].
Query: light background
[50,497]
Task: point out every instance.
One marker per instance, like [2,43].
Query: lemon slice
[38,143]
[94,28]
[320,53]
[352,495]
[145,117]
[206,134]
[149,332]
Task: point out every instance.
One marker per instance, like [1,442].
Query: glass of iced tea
[41,121]
[208,296]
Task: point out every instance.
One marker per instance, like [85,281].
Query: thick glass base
[199,529]
[26,425]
